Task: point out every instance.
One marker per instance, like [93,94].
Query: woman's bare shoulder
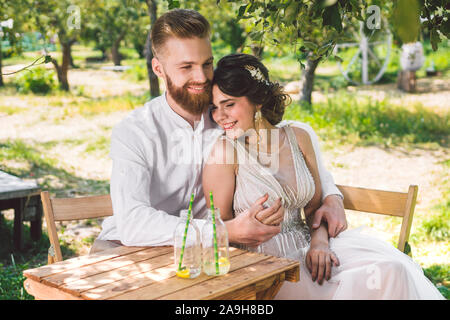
[222,152]
[303,140]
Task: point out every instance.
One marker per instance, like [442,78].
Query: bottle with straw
[215,245]
[187,245]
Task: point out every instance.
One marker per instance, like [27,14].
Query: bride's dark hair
[233,78]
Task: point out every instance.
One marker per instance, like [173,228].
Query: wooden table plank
[41,291]
[162,280]
[12,187]
[236,280]
[86,271]
[70,264]
[115,275]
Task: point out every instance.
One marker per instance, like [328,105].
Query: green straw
[185,231]
[216,253]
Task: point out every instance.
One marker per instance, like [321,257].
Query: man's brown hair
[179,23]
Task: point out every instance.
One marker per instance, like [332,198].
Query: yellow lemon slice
[224,261]
[183,273]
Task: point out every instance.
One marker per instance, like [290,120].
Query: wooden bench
[400,204]
[24,198]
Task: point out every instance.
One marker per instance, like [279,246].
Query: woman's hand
[271,216]
[319,261]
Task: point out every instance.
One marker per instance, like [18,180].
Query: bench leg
[36,224]
[19,206]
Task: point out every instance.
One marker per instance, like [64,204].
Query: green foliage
[347,120]
[37,80]
[138,72]
[406,20]
[12,263]
[437,226]
[11,283]
[440,276]
[108,22]
[436,20]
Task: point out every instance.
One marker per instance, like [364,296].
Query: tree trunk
[104,53]
[307,80]
[1,77]
[71,62]
[115,50]
[152,77]
[139,47]
[61,70]
[406,81]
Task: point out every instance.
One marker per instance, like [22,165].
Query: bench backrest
[66,209]
[359,199]
[390,203]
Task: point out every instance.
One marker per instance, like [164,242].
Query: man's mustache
[207,83]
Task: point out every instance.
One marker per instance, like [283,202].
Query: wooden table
[24,198]
[143,273]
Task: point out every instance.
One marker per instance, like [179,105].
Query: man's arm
[332,209]
[137,222]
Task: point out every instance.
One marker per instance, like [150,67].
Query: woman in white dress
[255,157]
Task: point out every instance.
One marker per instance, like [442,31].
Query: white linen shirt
[157,163]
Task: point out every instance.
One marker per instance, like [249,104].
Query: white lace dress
[370,268]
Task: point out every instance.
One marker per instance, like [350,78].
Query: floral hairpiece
[256,73]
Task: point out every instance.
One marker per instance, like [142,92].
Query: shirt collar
[179,120]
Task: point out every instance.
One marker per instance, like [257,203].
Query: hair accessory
[256,73]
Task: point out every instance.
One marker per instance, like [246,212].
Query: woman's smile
[229,125]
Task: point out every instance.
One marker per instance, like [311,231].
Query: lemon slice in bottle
[224,262]
[183,273]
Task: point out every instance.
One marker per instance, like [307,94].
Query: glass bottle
[215,264]
[187,247]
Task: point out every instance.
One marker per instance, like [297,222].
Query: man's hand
[332,211]
[246,229]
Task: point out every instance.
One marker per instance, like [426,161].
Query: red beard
[193,103]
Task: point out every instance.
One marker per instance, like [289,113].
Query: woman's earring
[258,119]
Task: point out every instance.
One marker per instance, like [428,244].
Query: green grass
[100,145]
[436,226]
[94,107]
[13,263]
[344,119]
[440,276]
[10,110]
[33,164]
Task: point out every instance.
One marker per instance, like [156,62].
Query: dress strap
[292,141]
